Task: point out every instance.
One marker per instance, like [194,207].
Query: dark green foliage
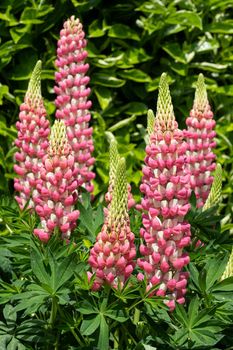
[130,44]
[45,297]
[46,301]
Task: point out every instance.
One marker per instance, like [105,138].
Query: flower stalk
[165,185]
[72,98]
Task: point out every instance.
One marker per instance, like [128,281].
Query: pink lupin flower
[112,256]
[114,159]
[199,135]
[32,141]
[165,186]
[72,98]
[57,189]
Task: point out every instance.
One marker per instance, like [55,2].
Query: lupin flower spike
[216,189]
[199,135]
[165,186]
[57,190]
[112,257]
[32,141]
[114,159]
[72,98]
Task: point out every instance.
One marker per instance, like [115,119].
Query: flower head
[57,189]
[199,135]
[114,159]
[32,140]
[165,186]
[112,257]
[72,98]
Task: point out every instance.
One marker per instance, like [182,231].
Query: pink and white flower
[112,256]
[57,188]
[199,136]
[32,140]
[72,98]
[165,185]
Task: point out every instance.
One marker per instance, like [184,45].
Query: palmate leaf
[197,328]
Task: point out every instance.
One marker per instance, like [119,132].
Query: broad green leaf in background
[186,18]
[122,31]
[105,79]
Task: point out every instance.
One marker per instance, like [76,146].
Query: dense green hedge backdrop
[130,44]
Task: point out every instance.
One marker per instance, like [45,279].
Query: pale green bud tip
[165,117]
[114,159]
[119,204]
[201,98]
[73,22]
[229,268]
[58,143]
[33,94]
[150,122]
[216,189]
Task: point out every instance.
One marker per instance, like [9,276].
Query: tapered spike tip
[119,204]
[33,95]
[216,189]
[229,268]
[165,117]
[201,98]
[150,122]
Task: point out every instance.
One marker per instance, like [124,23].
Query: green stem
[138,302]
[130,336]
[116,340]
[136,317]
[53,313]
[71,328]
[76,335]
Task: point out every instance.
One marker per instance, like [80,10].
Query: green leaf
[174,50]
[108,62]
[186,18]
[223,27]
[108,80]
[87,308]
[223,90]
[135,55]
[89,326]
[212,67]
[122,123]
[135,75]
[155,6]
[9,314]
[18,33]
[214,4]
[8,17]
[136,108]
[29,16]
[179,68]
[8,132]
[4,90]
[95,29]
[64,271]
[181,315]
[193,310]
[214,270]
[103,342]
[38,266]
[122,31]
[226,285]
[104,96]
